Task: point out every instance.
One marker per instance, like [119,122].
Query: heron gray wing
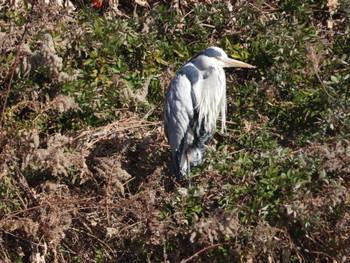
[179,110]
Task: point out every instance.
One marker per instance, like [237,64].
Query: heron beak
[229,62]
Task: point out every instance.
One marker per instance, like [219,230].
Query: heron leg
[188,169]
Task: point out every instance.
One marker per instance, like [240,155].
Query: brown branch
[96,238]
[8,88]
[16,213]
[206,248]
[10,81]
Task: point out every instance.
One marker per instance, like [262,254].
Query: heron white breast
[211,96]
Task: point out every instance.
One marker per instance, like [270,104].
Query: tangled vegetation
[84,174]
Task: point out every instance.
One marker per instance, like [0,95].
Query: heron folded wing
[178,112]
[190,72]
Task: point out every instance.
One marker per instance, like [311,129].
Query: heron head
[215,56]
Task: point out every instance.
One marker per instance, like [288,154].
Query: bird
[194,99]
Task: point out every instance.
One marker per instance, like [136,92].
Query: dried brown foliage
[119,195]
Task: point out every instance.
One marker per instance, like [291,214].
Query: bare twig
[8,88]
[206,248]
[96,238]
[16,213]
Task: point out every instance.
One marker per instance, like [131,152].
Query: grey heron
[195,97]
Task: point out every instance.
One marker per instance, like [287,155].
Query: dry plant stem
[323,254]
[10,81]
[206,248]
[21,238]
[13,214]
[133,124]
[14,67]
[96,238]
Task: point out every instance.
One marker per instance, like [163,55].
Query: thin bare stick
[8,88]
[96,238]
[16,213]
[206,248]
